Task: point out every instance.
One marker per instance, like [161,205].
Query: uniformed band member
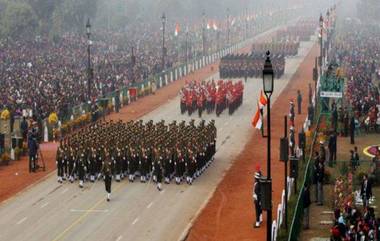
[118,150]
[211,96]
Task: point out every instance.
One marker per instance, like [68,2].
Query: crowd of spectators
[46,75]
[357,50]
[351,224]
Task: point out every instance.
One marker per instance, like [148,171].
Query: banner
[330,94]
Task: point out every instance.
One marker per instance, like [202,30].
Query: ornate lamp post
[204,33]
[89,68]
[268,84]
[228,27]
[163,19]
[321,43]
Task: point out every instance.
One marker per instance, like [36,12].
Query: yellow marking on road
[84,215]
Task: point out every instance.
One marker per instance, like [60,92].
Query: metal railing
[298,210]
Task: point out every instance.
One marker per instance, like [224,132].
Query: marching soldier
[132,164]
[60,162]
[107,174]
[157,169]
[143,164]
[132,147]
[81,166]
[92,164]
[71,164]
[118,163]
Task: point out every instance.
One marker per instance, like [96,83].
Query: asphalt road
[52,211]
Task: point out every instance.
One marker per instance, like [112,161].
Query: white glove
[255,197]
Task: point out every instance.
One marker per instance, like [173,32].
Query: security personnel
[291,113]
[257,199]
[292,143]
[299,101]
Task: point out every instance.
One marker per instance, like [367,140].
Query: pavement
[52,211]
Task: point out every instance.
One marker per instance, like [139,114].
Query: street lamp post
[133,60]
[228,27]
[246,24]
[89,69]
[321,43]
[268,85]
[328,31]
[204,33]
[187,46]
[163,19]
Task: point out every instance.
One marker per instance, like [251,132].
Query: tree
[18,20]
[76,12]
[44,10]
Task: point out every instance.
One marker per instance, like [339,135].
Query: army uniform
[143,165]
[132,164]
[132,148]
[81,167]
[60,163]
[107,174]
[157,169]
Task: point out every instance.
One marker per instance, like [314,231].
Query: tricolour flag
[262,101]
[214,26]
[176,31]
[257,120]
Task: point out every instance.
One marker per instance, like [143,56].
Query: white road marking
[135,221]
[89,210]
[64,190]
[149,205]
[21,221]
[119,238]
[44,205]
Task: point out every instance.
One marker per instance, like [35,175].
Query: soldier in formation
[211,96]
[249,65]
[285,48]
[118,150]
